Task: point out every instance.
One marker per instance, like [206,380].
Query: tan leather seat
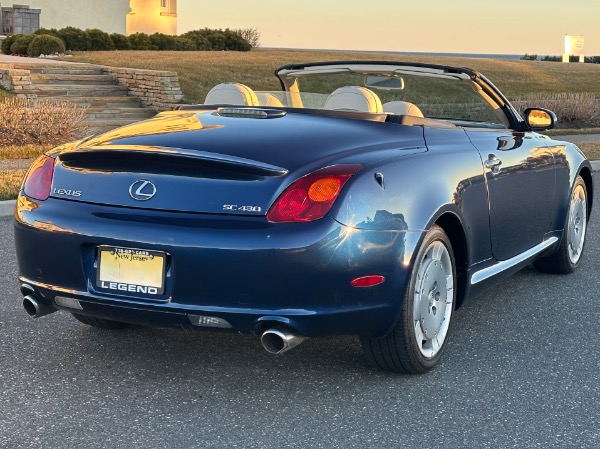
[354,98]
[232,93]
[402,108]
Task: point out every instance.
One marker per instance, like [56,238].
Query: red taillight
[39,179]
[312,196]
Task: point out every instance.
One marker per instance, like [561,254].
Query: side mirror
[539,119]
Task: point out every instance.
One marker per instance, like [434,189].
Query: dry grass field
[200,71]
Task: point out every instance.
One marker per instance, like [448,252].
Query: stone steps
[76,90]
[100,102]
[106,93]
[71,79]
[119,113]
[57,69]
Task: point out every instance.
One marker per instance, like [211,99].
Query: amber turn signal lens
[324,189]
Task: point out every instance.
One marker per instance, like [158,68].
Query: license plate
[131,270]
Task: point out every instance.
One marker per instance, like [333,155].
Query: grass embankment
[10,182]
[202,70]
[591,150]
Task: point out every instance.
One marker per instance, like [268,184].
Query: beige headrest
[402,108]
[354,98]
[232,93]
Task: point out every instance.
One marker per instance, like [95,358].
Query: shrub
[45,44]
[75,39]
[528,57]
[568,107]
[140,41]
[99,40]
[19,46]
[7,43]
[208,39]
[41,122]
[121,42]
[217,41]
[184,44]
[50,31]
[552,58]
[163,41]
[199,39]
[234,41]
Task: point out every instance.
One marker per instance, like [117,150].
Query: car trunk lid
[203,162]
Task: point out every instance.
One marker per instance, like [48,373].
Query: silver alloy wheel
[434,293]
[577,224]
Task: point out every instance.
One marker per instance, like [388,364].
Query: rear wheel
[99,322]
[418,340]
[568,256]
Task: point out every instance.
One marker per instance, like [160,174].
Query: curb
[7,207]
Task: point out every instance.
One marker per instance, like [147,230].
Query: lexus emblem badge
[142,190]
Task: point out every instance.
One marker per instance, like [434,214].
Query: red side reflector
[368,281]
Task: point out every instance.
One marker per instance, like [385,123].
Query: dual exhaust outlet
[36,308]
[275,341]
[279,340]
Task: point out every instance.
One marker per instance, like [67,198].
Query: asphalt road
[521,371]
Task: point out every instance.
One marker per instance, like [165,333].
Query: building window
[168,6]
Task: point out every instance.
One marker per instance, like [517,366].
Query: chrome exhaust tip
[35,308]
[279,340]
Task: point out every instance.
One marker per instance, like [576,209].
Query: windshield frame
[290,74]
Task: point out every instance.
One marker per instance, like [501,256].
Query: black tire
[402,350]
[568,256]
[99,322]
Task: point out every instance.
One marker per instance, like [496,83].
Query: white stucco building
[112,16]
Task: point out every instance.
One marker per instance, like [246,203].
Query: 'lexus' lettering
[131,288]
[67,192]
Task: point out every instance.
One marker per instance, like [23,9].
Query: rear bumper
[246,271]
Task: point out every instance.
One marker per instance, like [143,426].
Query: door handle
[493,163]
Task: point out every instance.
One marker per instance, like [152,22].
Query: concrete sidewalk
[10,59]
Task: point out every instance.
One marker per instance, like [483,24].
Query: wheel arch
[587,177]
[453,228]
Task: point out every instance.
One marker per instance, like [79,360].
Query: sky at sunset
[457,26]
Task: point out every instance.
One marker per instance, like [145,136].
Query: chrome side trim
[488,272]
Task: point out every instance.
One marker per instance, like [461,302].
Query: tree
[251,35]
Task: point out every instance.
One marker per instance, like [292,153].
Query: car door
[520,175]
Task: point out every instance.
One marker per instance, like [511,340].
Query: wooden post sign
[573,46]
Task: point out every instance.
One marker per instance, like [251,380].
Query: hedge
[75,39]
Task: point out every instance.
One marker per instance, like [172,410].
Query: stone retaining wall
[156,89]
[15,80]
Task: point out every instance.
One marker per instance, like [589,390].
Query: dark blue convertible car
[365,198]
